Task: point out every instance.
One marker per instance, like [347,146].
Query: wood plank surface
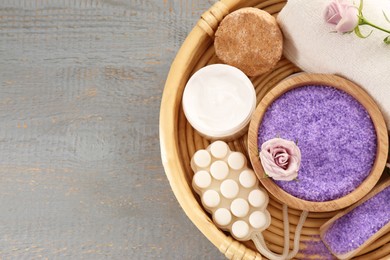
[80,169]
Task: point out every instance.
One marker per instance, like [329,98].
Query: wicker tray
[179,142]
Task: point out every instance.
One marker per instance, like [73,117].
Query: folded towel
[311,44]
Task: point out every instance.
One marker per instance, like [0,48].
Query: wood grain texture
[80,169]
[382,231]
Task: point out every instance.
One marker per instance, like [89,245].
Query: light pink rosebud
[280,159]
[343,14]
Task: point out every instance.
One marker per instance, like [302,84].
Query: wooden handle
[210,19]
[233,249]
[385,229]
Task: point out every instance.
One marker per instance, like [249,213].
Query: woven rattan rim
[178,143]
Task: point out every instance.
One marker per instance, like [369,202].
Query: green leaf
[359,34]
[386,17]
[266,175]
[387,40]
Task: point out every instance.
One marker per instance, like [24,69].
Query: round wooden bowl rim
[360,95]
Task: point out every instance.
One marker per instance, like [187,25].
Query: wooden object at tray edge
[378,234]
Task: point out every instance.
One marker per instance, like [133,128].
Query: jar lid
[219,100]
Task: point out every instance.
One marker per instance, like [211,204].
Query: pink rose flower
[343,14]
[280,159]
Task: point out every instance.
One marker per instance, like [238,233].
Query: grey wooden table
[80,169]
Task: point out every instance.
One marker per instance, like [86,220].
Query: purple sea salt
[336,137]
[353,229]
[315,247]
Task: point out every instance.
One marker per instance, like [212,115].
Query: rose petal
[276,171]
[280,174]
[334,19]
[332,13]
[266,156]
[280,159]
[277,150]
[295,160]
[349,20]
[296,155]
[270,144]
[277,142]
[266,161]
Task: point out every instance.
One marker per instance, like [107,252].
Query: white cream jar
[218,101]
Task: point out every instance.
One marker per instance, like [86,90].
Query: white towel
[312,46]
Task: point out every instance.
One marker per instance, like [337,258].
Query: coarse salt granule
[336,137]
[351,230]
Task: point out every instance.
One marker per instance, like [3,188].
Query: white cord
[298,234]
[286,226]
[263,249]
[260,244]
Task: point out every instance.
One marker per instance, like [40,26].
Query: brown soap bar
[249,39]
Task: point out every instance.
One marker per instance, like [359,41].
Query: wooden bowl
[304,79]
[179,141]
